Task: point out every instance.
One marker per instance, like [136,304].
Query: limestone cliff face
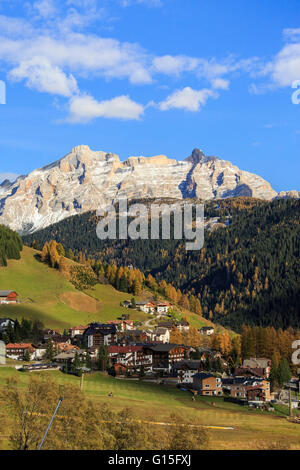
[289,194]
[83,179]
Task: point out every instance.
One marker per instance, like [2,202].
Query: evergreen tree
[10,334]
[88,361]
[284,372]
[103,358]
[76,364]
[26,356]
[50,351]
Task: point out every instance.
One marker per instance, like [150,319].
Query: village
[127,350]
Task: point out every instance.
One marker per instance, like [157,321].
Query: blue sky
[146,77]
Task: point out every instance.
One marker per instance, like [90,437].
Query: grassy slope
[46,295]
[153,402]
[52,296]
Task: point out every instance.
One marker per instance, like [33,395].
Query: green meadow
[152,402]
[47,296]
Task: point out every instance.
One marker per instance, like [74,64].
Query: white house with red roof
[8,297]
[18,350]
[77,330]
[130,356]
[147,307]
[122,325]
[163,307]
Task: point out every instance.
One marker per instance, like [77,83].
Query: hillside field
[47,296]
[151,402]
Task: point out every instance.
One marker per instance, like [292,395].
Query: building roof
[145,303]
[160,331]
[80,327]
[189,364]
[5,293]
[254,362]
[124,349]
[166,347]
[19,346]
[241,380]
[255,371]
[133,333]
[253,387]
[66,355]
[66,347]
[206,328]
[166,324]
[104,329]
[203,375]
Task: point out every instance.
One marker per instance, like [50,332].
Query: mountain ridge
[83,179]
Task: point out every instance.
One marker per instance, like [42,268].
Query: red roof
[19,346]
[254,387]
[124,349]
[66,347]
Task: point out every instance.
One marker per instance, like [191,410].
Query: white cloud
[211,70]
[45,8]
[83,108]
[220,84]
[44,77]
[14,26]
[285,68]
[149,3]
[291,34]
[170,65]
[48,52]
[188,99]
[83,54]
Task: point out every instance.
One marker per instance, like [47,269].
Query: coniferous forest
[10,245]
[248,271]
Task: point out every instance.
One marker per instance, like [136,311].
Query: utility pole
[51,421]
[81,381]
[290,401]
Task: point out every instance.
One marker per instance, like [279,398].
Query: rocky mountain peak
[198,156]
[81,149]
[84,179]
[5,184]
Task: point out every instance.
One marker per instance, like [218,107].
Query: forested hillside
[247,272]
[10,245]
